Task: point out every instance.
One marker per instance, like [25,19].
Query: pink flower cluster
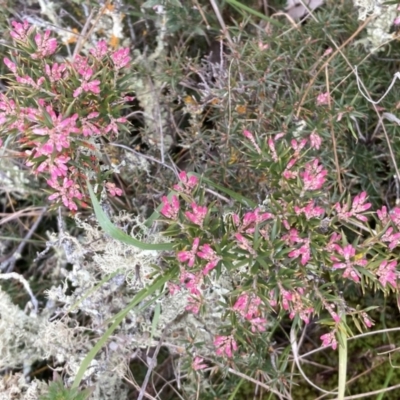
[314,176]
[186,184]
[53,131]
[392,234]
[329,339]
[249,135]
[310,210]
[226,345]
[357,208]
[387,273]
[248,307]
[348,262]
[205,253]
[293,237]
[294,301]
[291,252]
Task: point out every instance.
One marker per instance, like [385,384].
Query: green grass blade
[238,5]
[116,233]
[140,296]
[342,363]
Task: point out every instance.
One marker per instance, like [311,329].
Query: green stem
[342,363]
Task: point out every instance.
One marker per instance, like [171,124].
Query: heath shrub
[298,253]
[60,109]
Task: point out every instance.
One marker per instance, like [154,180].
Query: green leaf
[342,336]
[150,3]
[116,233]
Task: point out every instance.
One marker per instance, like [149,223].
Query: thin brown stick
[221,22]
[337,165]
[203,16]
[255,381]
[86,32]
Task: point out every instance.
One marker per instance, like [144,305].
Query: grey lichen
[378,29]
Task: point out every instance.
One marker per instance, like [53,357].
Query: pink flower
[112,125]
[226,345]
[329,339]
[315,140]
[394,240]
[207,253]
[252,218]
[86,86]
[367,321]
[113,190]
[347,253]
[360,206]
[198,364]
[189,256]
[258,324]
[331,311]
[245,244]
[58,135]
[27,80]
[271,146]
[343,211]
[296,303]
[45,45]
[287,297]
[100,50]
[121,58]
[249,135]
[304,314]
[20,31]
[56,167]
[310,210]
[173,288]
[67,192]
[383,215]
[11,66]
[56,72]
[188,183]
[387,273]
[90,128]
[247,306]
[298,146]
[210,266]
[303,251]
[194,305]
[292,237]
[191,281]
[198,214]
[323,99]
[357,207]
[170,209]
[92,86]
[395,216]
[314,176]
